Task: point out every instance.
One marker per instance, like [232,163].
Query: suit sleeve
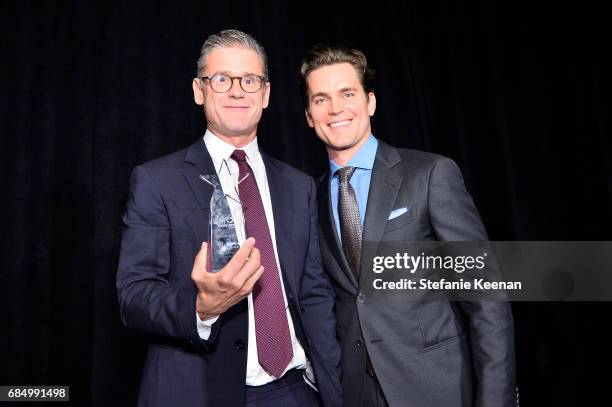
[318,298]
[148,301]
[491,331]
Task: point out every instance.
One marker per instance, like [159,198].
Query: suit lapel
[384,187]
[282,202]
[201,164]
[328,230]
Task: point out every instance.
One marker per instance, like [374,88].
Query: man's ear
[198,92]
[309,118]
[266,95]
[371,103]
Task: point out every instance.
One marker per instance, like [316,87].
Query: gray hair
[228,39]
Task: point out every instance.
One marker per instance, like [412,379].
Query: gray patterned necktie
[350,224]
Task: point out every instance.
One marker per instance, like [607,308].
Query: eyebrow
[325,94]
[243,73]
[314,95]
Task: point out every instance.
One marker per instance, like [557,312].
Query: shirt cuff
[205,327]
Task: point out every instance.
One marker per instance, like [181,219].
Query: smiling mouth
[340,124]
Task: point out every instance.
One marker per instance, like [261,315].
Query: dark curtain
[517,92]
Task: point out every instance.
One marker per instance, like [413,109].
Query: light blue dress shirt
[363,161]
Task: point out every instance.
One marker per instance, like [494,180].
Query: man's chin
[238,131]
[339,147]
[237,137]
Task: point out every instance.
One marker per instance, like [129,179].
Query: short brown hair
[322,55]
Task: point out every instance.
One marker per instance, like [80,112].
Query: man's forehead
[333,77]
[235,60]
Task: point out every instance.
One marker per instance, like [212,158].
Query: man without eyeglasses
[261,330]
[397,352]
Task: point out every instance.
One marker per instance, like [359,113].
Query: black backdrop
[517,93]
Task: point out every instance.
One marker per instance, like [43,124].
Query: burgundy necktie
[274,350]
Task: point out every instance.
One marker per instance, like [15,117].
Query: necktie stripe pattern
[350,224]
[274,350]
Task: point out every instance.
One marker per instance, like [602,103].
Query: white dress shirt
[227,170]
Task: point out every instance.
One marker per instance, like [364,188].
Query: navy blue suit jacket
[166,221]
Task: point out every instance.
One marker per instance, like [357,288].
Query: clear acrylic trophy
[223,238]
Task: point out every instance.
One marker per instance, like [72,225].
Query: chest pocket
[401,217]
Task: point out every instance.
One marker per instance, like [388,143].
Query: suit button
[290,295]
[359,343]
[370,368]
[361,297]
[239,344]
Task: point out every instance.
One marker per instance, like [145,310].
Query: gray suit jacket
[428,354]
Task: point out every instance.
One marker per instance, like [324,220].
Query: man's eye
[349,94]
[221,79]
[318,101]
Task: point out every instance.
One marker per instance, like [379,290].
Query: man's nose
[335,106]
[236,90]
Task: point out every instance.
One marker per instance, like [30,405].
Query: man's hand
[219,291]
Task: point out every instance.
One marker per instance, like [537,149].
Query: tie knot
[239,155]
[345,174]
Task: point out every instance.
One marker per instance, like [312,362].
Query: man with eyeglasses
[396,351]
[260,331]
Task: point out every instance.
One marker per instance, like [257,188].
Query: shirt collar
[363,158]
[221,151]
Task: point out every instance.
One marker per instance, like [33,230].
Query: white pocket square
[397,212]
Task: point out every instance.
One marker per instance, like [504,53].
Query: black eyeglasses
[222,83]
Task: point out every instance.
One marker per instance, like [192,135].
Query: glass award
[223,238]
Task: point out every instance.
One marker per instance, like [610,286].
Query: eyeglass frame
[262,79]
